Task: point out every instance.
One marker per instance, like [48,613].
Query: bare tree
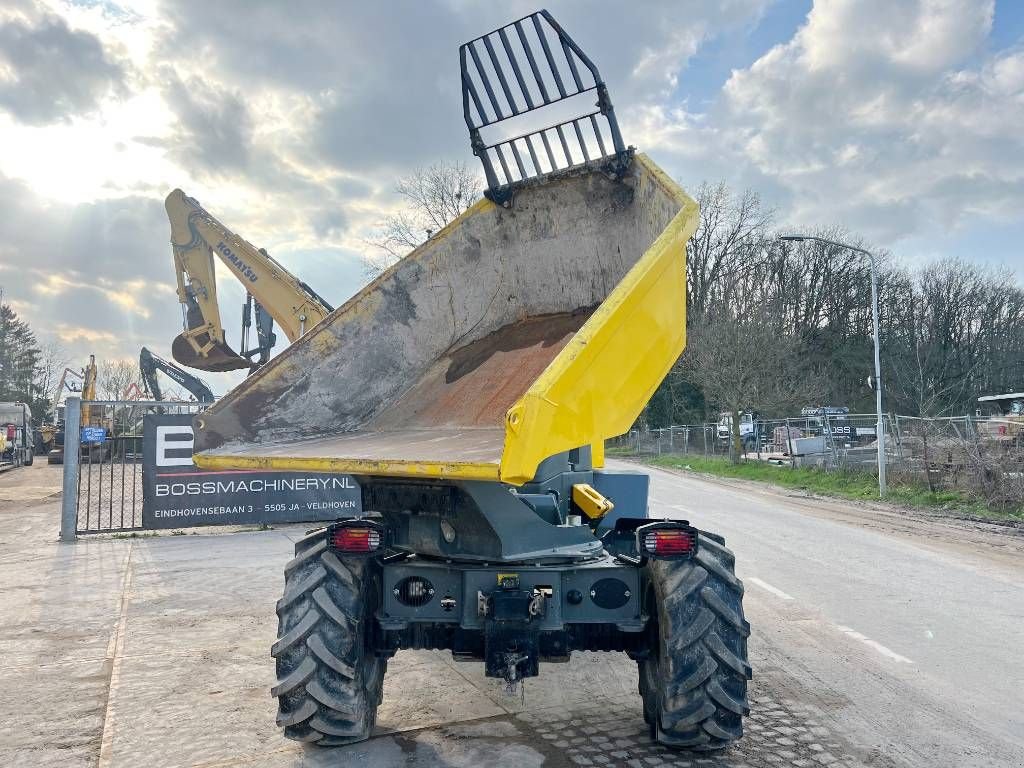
[115,377]
[728,243]
[743,364]
[950,330]
[433,198]
[53,359]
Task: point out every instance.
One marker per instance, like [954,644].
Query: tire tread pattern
[328,683]
[694,683]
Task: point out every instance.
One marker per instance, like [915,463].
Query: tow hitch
[512,618]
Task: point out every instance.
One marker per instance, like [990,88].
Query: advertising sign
[177,494]
[94,434]
[825,410]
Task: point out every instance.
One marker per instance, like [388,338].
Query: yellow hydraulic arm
[195,237]
[89,376]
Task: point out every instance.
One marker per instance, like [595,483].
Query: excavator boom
[63,387]
[150,364]
[195,237]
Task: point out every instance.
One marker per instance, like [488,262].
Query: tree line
[793,320]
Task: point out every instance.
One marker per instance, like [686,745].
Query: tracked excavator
[151,364]
[272,292]
[469,390]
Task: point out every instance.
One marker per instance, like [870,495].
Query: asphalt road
[909,630]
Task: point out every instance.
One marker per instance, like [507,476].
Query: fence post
[72,452]
[789,439]
[830,443]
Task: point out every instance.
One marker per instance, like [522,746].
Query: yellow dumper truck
[469,390]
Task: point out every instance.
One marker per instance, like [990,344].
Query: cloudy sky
[898,119]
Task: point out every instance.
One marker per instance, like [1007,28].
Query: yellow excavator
[271,290]
[92,416]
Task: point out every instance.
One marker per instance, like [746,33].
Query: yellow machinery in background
[92,416]
[273,293]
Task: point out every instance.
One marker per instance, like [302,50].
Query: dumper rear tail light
[356,537]
[667,541]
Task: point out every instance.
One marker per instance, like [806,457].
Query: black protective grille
[532,64]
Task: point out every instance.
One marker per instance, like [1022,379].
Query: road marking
[874,644]
[769,588]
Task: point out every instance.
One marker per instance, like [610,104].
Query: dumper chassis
[469,390]
[678,615]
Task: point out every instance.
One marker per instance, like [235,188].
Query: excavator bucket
[218,357]
[511,335]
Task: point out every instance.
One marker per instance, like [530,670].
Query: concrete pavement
[153,651]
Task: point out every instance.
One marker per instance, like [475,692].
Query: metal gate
[103,463]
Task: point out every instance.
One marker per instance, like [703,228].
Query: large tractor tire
[329,681]
[693,681]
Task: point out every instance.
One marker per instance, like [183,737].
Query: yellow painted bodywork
[590,501]
[385,468]
[634,337]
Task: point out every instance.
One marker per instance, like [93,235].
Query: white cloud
[51,71]
[886,117]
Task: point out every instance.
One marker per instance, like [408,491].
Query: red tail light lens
[355,539]
[669,540]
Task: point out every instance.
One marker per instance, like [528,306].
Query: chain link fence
[984,456]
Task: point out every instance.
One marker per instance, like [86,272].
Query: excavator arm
[150,364]
[195,237]
[63,387]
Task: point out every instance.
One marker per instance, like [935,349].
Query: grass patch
[844,485]
[619,451]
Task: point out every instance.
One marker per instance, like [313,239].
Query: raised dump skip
[510,336]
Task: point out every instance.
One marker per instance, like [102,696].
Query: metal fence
[823,441]
[983,455]
[103,478]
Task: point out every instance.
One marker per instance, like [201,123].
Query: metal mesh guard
[530,65]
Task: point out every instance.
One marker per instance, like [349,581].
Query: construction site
[552,482]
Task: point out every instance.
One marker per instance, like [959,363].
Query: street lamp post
[880,427]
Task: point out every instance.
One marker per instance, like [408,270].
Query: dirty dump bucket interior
[511,335]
